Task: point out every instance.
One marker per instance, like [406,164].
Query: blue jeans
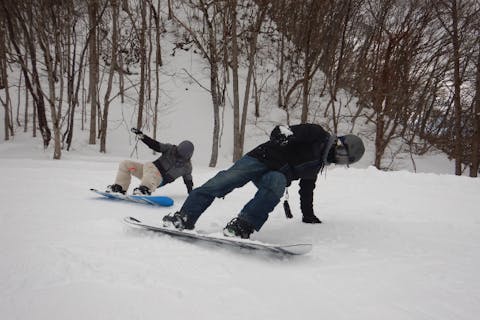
[271,186]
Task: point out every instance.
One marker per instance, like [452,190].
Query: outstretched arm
[151,143]
[155,145]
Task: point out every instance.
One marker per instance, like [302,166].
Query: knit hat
[351,150]
[185,149]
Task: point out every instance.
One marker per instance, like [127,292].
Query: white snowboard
[290,249]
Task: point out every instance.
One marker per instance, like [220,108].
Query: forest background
[404,75]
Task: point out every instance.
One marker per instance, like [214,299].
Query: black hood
[185,149]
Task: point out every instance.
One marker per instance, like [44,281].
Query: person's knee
[149,166]
[124,165]
[276,183]
[218,186]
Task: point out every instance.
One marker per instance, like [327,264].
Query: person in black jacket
[173,163]
[297,152]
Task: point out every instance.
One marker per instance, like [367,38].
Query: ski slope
[393,245]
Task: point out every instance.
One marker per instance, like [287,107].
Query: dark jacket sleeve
[155,145]
[187,178]
[306,196]
[305,133]
[189,183]
[301,133]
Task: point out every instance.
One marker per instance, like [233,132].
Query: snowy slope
[393,246]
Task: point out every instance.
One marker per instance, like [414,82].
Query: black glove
[311,219]
[139,133]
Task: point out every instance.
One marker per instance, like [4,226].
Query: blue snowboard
[161,201]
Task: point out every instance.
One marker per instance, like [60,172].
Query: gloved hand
[311,219]
[138,133]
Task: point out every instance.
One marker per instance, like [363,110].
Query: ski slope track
[393,245]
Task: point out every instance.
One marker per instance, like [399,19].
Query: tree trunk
[476,137]
[237,148]
[305,91]
[106,100]
[27,101]
[210,52]
[4,82]
[252,45]
[57,153]
[170,10]
[158,64]
[94,70]
[214,85]
[457,82]
[33,84]
[143,65]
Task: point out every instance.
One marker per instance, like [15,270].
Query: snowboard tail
[162,201]
[287,249]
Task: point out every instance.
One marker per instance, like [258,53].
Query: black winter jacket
[170,165]
[299,156]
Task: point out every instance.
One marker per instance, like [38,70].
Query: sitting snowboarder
[173,163]
[297,152]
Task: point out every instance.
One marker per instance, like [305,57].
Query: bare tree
[314,31]
[4,81]
[387,66]
[307,27]
[75,68]
[158,64]
[250,38]
[475,163]
[143,63]
[232,9]
[340,55]
[113,62]
[170,9]
[49,27]
[456,17]
[209,49]
[93,68]
[23,13]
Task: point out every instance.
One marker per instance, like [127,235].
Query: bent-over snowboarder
[174,162]
[297,152]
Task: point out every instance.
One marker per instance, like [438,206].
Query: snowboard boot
[179,220]
[238,228]
[141,191]
[311,219]
[115,188]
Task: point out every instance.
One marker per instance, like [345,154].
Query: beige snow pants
[148,174]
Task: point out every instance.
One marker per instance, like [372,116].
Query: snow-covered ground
[393,245]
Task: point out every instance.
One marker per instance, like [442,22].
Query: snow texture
[393,245]
[285,131]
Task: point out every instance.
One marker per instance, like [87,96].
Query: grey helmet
[185,149]
[350,150]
